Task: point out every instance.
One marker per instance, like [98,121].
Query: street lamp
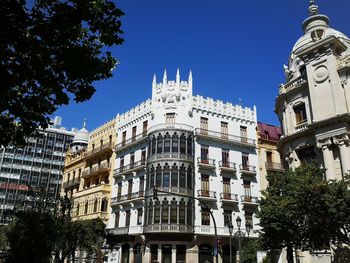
[248,227]
[239,233]
[230,229]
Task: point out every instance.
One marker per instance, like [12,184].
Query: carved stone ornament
[324,143]
[321,74]
[342,139]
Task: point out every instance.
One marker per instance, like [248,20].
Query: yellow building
[92,198]
[269,157]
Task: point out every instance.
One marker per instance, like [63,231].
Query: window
[143,157]
[123,138]
[151,177]
[247,190]
[166,176]
[249,219]
[300,114]
[269,157]
[153,147]
[170,118]
[204,153]
[182,144]
[205,184]
[116,222]
[189,177]
[189,145]
[306,155]
[95,205]
[244,136]
[245,161]
[119,191]
[175,143]
[130,183]
[182,211]
[224,130]
[173,212]
[121,164]
[110,140]
[158,176]
[142,184]
[144,128]
[165,212]
[205,217]
[132,160]
[127,218]
[139,216]
[204,125]
[182,176]
[174,176]
[133,137]
[104,205]
[189,213]
[225,158]
[227,217]
[86,207]
[159,144]
[157,213]
[167,141]
[227,188]
[101,144]
[77,211]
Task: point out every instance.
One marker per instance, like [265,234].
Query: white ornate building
[313,105]
[189,145]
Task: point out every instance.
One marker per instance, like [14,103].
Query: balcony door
[247,190]
[245,161]
[204,154]
[224,130]
[243,134]
[225,158]
[130,183]
[133,138]
[205,185]
[204,125]
[227,188]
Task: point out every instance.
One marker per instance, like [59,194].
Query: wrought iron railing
[225,136]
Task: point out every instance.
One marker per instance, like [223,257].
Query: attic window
[317,34]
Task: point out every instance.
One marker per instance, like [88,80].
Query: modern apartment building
[38,164]
[203,149]
[268,155]
[88,172]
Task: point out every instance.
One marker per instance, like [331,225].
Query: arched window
[182,144]
[77,211]
[189,177]
[151,177]
[189,213]
[174,175]
[104,205]
[173,212]
[86,207]
[175,143]
[165,212]
[189,145]
[150,213]
[156,212]
[166,175]
[158,176]
[182,212]
[160,144]
[95,205]
[182,176]
[153,148]
[167,141]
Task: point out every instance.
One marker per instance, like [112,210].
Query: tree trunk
[290,258]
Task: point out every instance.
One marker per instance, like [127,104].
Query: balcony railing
[173,228]
[132,141]
[118,230]
[71,182]
[225,137]
[245,168]
[99,149]
[292,84]
[127,197]
[249,199]
[172,189]
[206,162]
[103,167]
[207,194]
[227,165]
[229,197]
[177,156]
[301,125]
[271,166]
[132,167]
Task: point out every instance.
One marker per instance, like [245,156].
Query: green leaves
[50,50]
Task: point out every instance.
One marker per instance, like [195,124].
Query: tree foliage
[51,50]
[300,209]
[249,252]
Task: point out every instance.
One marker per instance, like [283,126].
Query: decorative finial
[190,76]
[313,8]
[165,78]
[84,123]
[178,75]
[154,79]
[240,102]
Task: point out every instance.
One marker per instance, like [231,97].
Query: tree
[51,50]
[300,209]
[249,253]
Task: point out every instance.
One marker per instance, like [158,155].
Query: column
[328,159]
[147,256]
[173,253]
[160,253]
[343,143]
[131,255]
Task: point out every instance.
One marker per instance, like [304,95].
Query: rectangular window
[144,128]
[167,142]
[123,138]
[119,190]
[143,157]
[157,214]
[182,212]
[158,176]
[182,144]
[130,183]
[165,213]
[269,157]
[116,222]
[174,176]
[227,217]
[249,219]
[110,140]
[224,130]
[225,158]
[182,176]
[300,114]
[159,144]
[173,213]
[204,125]
[227,187]
[175,144]
[133,138]
[205,217]
[166,176]
[121,164]
[132,160]
[247,190]
[127,218]
[204,154]
[170,118]
[205,184]
[142,184]
[245,161]
[139,216]
[243,133]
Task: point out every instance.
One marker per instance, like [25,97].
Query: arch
[86,208]
[159,143]
[205,253]
[95,205]
[166,175]
[175,143]
[167,143]
[125,253]
[174,175]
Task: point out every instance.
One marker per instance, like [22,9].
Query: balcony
[294,84]
[207,195]
[249,200]
[206,163]
[131,197]
[171,189]
[134,140]
[247,169]
[301,125]
[168,228]
[225,138]
[229,198]
[227,167]
[96,169]
[98,151]
[118,231]
[170,156]
[274,167]
[130,168]
[72,183]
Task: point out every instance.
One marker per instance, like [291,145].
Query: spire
[313,8]
[154,82]
[190,77]
[84,123]
[178,75]
[165,78]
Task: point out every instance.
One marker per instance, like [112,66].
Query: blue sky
[236,50]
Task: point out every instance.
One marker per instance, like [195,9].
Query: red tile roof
[269,132]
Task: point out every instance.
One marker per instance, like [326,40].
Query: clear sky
[236,50]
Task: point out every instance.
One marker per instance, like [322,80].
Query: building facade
[268,155]
[313,104]
[38,164]
[200,148]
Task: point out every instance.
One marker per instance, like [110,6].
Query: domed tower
[81,139]
[313,104]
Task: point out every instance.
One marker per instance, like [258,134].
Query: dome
[82,136]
